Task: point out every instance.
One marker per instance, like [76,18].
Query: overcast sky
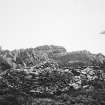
[74,24]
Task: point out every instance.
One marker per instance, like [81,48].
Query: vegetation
[48,75]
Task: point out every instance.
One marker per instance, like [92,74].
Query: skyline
[73,24]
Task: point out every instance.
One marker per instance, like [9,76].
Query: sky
[74,24]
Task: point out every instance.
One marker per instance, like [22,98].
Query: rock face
[32,56]
[80,58]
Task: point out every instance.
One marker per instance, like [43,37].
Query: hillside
[49,75]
